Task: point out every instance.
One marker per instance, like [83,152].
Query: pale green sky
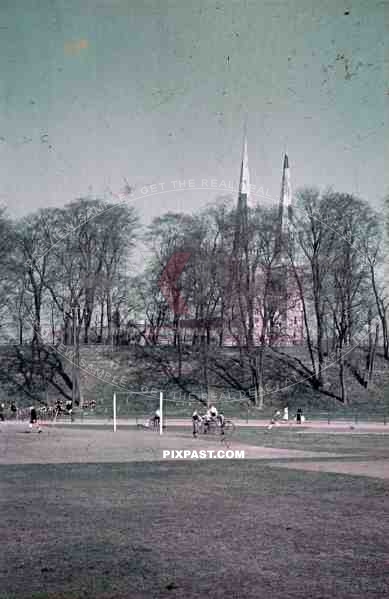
[158,90]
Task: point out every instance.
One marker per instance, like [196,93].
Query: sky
[99,92]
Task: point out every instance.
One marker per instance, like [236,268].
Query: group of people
[13,410]
[213,416]
[210,416]
[58,410]
[33,414]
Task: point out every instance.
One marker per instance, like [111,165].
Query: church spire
[285,205]
[244,181]
[243,199]
[286,196]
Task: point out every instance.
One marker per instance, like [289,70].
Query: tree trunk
[101,330]
[21,330]
[87,324]
[343,389]
[52,324]
[76,387]
[109,318]
[261,399]
[67,333]
[221,331]
[179,348]
[373,353]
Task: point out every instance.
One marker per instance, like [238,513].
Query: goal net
[141,408]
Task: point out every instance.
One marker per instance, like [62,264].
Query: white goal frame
[114,408]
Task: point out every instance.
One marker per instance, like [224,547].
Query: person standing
[157,418]
[196,419]
[285,416]
[222,422]
[299,415]
[34,418]
[58,408]
[14,411]
[69,409]
[2,406]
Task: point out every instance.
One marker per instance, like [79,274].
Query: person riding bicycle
[213,412]
[210,416]
[196,419]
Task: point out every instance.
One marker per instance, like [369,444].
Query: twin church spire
[244,199]
[284,314]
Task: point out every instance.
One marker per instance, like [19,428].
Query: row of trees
[72,276]
[64,280]
[334,266]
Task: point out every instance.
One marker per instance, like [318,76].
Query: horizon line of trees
[84,287]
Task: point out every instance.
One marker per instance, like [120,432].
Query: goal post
[161,412]
[138,405]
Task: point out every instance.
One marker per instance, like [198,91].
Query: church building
[265,309]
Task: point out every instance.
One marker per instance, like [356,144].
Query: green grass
[374,445]
[193,530]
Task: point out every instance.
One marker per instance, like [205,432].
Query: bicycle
[152,424]
[215,426]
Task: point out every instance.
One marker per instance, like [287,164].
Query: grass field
[351,442]
[86,513]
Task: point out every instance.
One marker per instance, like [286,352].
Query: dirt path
[83,445]
[64,445]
